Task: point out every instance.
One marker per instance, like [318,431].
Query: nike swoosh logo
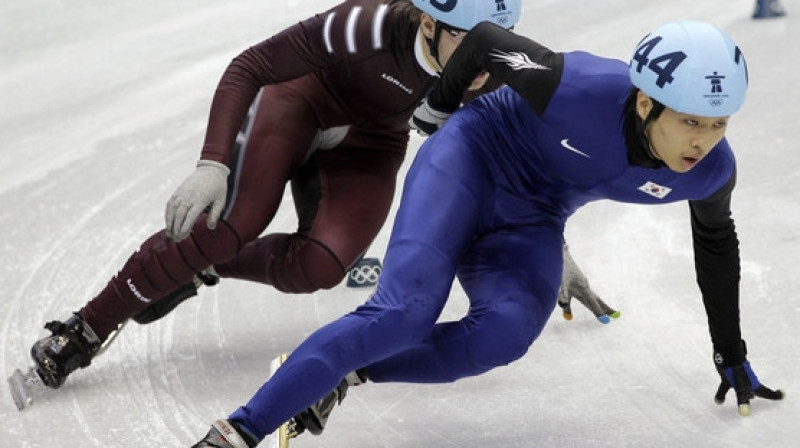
[565,144]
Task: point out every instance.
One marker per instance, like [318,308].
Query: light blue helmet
[691,67]
[465,14]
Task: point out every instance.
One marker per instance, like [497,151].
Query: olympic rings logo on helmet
[691,67]
[465,14]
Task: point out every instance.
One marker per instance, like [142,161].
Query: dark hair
[414,13]
[655,112]
[639,151]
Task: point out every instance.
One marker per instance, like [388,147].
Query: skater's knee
[312,266]
[408,323]
[216,245]
[506,333]
[161,264]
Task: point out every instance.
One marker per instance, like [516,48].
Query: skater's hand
[426,120]
[205,187]
[574,284]
[735,373]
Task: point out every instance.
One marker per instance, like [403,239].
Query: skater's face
[680,140]
[449,39]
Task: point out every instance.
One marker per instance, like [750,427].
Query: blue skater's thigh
[511,278]
[447,199]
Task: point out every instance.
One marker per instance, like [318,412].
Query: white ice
[103,110]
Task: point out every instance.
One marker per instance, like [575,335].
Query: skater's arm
[282,57]
[716,249]
[528,67]
[313,45]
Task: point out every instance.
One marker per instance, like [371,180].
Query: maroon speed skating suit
[322,105]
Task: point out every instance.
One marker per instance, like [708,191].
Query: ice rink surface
[104,106]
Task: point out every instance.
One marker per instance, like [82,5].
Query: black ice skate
[315,417]
[72,345]
[225,434]
[164,306]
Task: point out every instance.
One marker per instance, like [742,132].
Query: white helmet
[691,67]
[465,14]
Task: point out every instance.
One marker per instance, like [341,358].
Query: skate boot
[226,434]
[766,9]
[315,417]
[72,345]
[164,306]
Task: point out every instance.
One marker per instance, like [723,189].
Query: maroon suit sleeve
[287,55]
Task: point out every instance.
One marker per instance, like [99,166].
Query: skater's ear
[428,25]
[644,104]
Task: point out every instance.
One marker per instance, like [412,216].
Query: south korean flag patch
[655,190]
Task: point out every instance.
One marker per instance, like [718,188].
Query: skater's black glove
[735,373]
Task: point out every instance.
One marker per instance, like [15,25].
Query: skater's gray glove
[426,120]
[204,189]
[574,284]
[735,373]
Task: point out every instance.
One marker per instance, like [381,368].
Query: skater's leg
[156,269]
[342,196]
[419,268]
[765,9]
[261,169]
[511,279]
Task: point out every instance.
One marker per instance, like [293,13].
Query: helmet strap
[433,43]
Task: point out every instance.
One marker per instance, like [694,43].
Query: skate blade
[24,386]
[279,438]
[110,339]
[283,436]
